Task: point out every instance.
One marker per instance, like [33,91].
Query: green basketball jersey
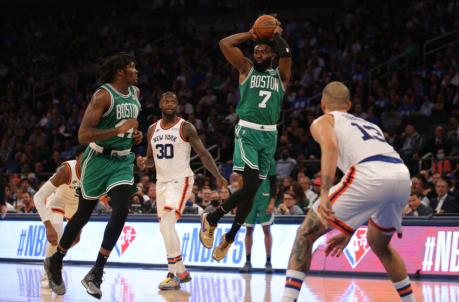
[261,97]
[122,107]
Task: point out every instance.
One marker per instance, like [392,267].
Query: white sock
[293,282]
[167,228]
[404,290]
[179,266]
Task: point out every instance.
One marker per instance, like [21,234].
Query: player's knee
[251,180]
[163,227]
[305,234]
[267,230]
[377,246]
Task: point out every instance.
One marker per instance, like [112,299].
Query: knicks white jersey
[358,139]
[66,195]
[171,152]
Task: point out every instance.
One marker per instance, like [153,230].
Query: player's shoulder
[325,118]
[100,95]
[63,173]
[152,127]
[136,90]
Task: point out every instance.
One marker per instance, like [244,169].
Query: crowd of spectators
[417,107]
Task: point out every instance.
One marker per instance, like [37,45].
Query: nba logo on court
[126,238]
[357,248]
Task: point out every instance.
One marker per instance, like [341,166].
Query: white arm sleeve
[39,199]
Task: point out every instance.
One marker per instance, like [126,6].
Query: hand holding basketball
[264,27]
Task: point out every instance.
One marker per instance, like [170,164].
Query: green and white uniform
[110,163]
[261,202]
[259,111]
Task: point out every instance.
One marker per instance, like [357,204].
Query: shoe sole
[185,280]
[215,257]
[97,296]
[169,288]
[200,235]
[245,272]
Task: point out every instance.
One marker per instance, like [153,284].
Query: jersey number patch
[165,151]
[369,132]
[127,134]
[266,95]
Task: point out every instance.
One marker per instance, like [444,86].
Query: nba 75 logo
[126,238]
[357,248]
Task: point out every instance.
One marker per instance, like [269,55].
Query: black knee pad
[119,201]
[78,221]
[251,180]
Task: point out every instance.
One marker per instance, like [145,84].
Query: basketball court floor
[21,282]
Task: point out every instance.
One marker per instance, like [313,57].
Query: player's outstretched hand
[222,182]
[336,245]
[254,35]
[51,235]
[138,137]
[278,28]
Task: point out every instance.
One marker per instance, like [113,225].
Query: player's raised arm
[98,105]
[322,132]
[192,136]
[234,55]
[285,55]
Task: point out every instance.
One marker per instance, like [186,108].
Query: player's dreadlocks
[114,63]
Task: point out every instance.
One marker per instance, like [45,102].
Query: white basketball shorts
[172,195]
[66,208]
[372,191]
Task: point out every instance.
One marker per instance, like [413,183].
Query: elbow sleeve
[281,46]
[40,200]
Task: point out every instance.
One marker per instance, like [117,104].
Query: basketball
[264,26]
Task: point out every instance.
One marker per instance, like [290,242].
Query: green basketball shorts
[100,173]
[254,148]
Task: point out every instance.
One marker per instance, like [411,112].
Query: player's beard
[169,115]
[265,64]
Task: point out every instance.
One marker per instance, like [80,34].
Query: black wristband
[281,46]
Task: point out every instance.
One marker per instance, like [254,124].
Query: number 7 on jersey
[266,95]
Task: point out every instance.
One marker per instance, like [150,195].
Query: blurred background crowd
[49,67]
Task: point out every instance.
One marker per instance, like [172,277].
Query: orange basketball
[264,26]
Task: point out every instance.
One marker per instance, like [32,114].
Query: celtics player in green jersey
[262,211]
[262,89]
[109,128]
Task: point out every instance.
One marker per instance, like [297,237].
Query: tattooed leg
[308,232]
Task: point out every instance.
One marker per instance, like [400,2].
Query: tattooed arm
[322,132]
[308,232]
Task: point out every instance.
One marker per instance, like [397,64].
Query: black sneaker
[54,272]
[92,282]
[269,268]
[247,268]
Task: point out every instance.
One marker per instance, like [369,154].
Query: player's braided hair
[114,63]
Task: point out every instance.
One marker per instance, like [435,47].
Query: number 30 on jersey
[164,151]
